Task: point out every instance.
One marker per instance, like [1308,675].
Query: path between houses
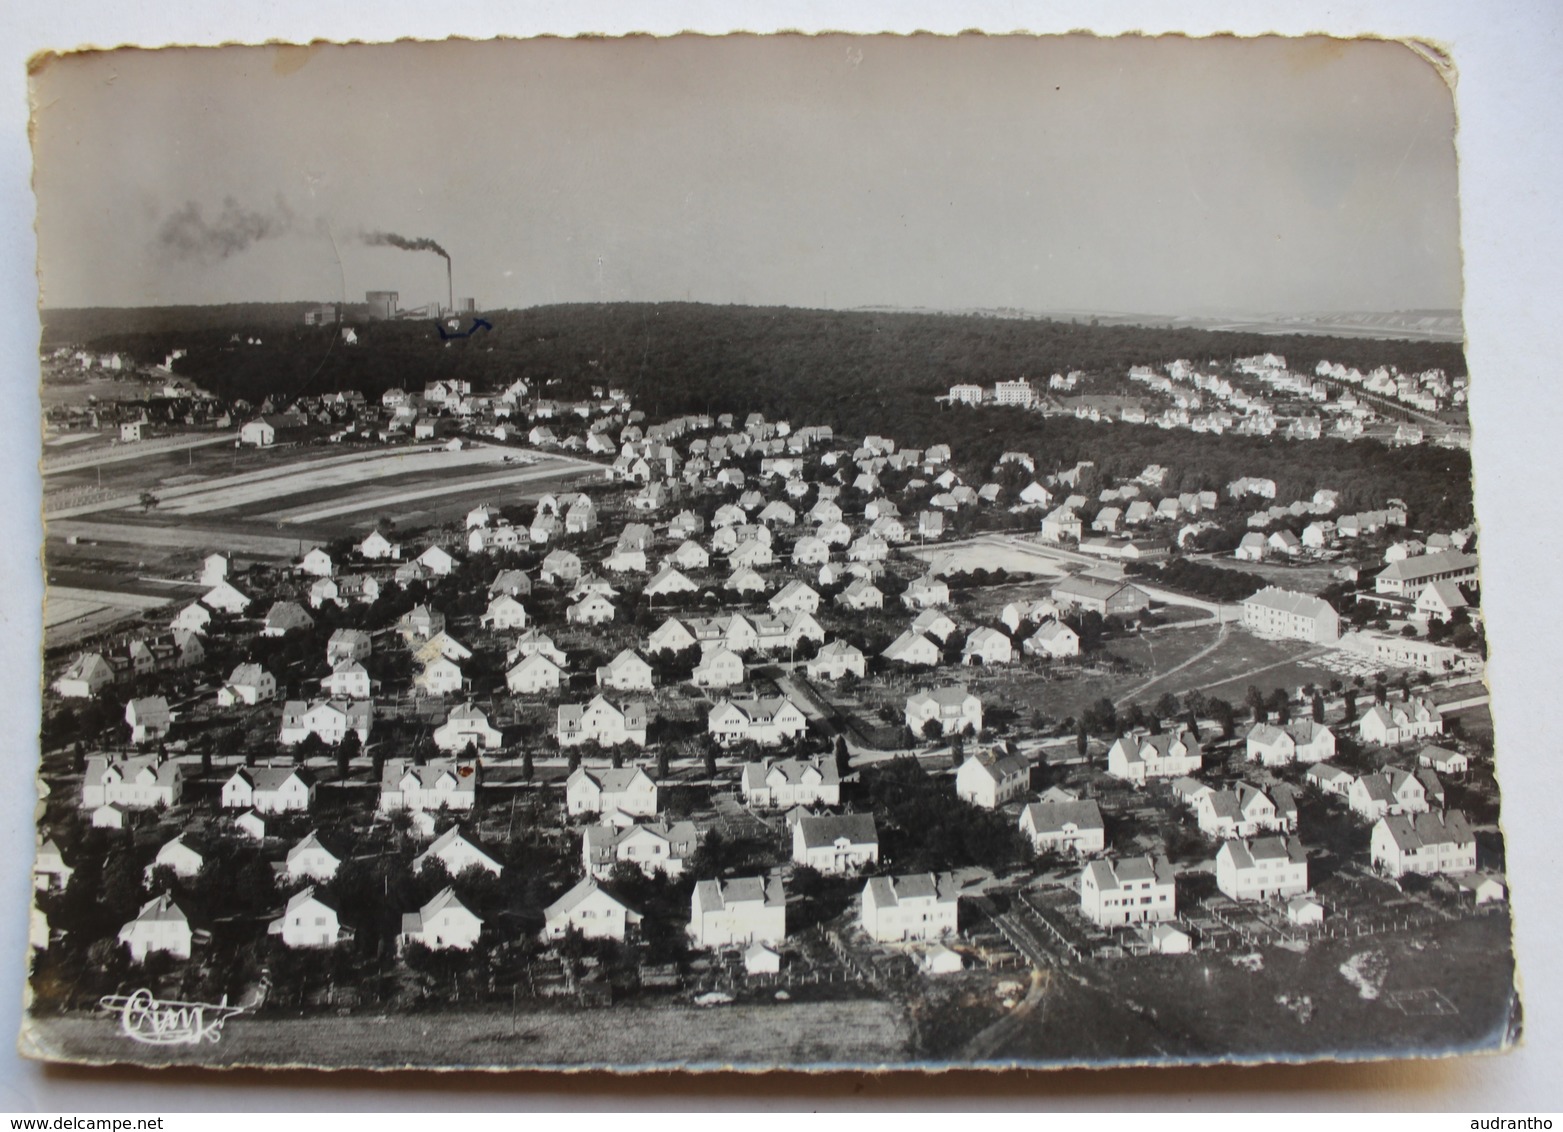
[1220,640]
[999,1036]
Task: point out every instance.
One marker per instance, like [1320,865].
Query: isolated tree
[932,730]
[1350,698]
[148,501]
[1318,708]
[957,752]
[710,761]
[348,750]
[527,770]
[574,759]
[662,762]
[1082,740]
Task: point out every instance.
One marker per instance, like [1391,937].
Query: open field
[990,553]
[856,1033]
[70,613]
[126,558]
[549,470]
[149,537]
[1220,660]
[240,492]
[108,451]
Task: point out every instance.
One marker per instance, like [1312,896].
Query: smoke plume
[405,243]
[188,234]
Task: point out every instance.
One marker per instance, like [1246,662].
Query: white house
[914,649]
[784,783]
[836,843]
[142,782]
[743,910]
[1305,740]
[1052,639]
[308,922]
[348,680]
[248,684]
[441,676]
[50,872]
[348,644]
[467,724]
[1246,810]
[376,546]
[990,780]
[224,598]
[1389,724]
[921,906]
[626,672]
[184,859]
[795,597]
[438,784]
[1426,843]
[536,672]
[1443,760]
[1132,890]
[452,850]
[653,848]
[835,660]
[329,719]
[149,719]
[504,612]
[954,709]
[87,675]
[1139,756]
[437,561]
[1261,869]
[718,667]
[1394,791]
[767,720]
[987,646]
[284,617]
[310,860]
[604,790]
[443,923]
[317,562]
[269,790]
[926,592]
[593,609]
[669,581]
[861,594]
[591,909]
[1072,827]
[160,926]
[601,722]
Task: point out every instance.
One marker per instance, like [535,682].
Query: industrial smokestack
[412,244]
[450,290]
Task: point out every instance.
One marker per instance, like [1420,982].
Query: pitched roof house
[1065,826]
[921,906]
[741,910]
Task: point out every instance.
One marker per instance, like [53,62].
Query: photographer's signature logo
[145,1019]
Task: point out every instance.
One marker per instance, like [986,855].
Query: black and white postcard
[760,552]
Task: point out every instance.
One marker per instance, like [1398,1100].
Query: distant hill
[84,324]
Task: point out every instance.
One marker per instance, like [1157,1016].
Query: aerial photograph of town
[763,553]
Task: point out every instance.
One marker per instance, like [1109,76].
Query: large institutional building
[1274,612]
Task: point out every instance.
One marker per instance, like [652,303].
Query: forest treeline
[858,371]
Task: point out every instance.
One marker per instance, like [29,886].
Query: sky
[1155,176]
